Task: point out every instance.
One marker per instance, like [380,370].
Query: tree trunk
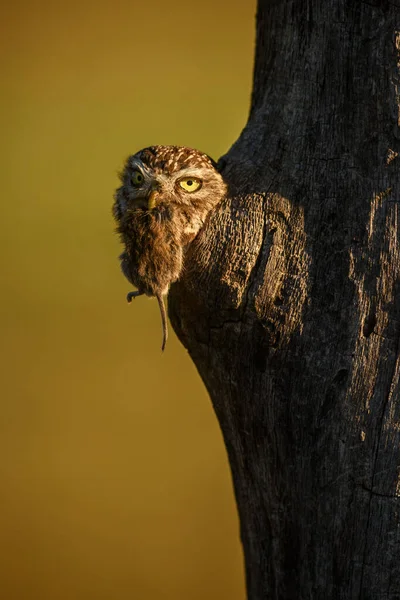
[290,304]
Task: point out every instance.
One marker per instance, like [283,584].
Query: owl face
[160,178]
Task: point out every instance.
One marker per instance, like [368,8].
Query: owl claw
[132,295]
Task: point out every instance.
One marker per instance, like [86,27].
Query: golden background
[114,478]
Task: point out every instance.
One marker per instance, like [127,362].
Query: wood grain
[290,304]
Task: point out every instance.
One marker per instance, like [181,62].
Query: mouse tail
[163,312]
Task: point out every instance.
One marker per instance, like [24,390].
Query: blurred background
[114,477]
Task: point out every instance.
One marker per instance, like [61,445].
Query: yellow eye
[137,178]
[190,184]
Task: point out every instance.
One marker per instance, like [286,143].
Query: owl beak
[152,202]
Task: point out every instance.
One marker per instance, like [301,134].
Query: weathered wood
[290,304]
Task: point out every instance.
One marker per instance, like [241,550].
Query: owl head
[163,181]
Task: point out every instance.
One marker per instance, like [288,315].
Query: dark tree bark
[290,304]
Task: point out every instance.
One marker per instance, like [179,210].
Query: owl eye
[137,178]
[190,184]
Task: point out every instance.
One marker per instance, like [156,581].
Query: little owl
[164,199]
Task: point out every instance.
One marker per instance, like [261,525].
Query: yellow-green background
[114,478]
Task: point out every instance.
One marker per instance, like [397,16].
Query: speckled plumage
[157,217]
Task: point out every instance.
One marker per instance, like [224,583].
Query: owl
[165,197]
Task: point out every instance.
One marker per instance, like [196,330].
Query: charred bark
[290,304]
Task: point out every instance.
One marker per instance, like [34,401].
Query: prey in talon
[165,196]
[163,312]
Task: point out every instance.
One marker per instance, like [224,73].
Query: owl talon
[132,295]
